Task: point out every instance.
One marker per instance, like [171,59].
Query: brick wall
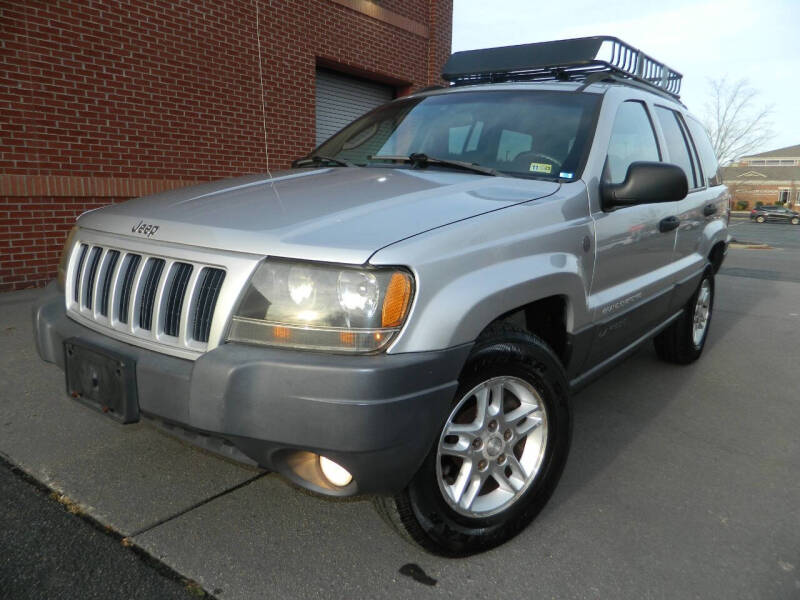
[32,231]
[97,97]
[768,193]
[416,10]
[441,31]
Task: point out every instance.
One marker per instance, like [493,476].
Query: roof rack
[562,60]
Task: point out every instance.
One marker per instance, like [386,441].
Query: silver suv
[406,312]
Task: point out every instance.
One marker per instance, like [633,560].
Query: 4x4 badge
[146,229]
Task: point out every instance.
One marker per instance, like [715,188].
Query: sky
[757,40]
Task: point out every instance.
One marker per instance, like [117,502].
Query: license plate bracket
[102,379]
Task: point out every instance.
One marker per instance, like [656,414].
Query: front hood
[333,214]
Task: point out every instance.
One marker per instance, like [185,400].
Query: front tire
[760,219]
[499,454]
[795,221]
[683,341]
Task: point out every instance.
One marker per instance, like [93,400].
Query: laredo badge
[541,168]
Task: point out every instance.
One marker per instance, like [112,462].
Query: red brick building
[103,101]
[769,178]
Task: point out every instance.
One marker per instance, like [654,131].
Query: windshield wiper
[418,159]
[319,159]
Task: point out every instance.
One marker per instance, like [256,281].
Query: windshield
[522,133]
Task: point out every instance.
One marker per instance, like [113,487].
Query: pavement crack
[182,512]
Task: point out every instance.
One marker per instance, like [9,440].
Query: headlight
[322,307]
[63,262]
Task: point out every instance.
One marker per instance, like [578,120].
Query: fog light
[334,472]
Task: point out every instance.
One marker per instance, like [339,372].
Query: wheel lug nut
[501,459]
[492,425]
[507,435]
[482,464]
[477,443]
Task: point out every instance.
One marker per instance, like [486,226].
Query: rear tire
[510,373]
[683,341]
[795,221]
[760,219]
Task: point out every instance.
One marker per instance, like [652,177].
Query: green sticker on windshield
[541,167]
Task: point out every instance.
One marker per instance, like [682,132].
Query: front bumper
[376,415]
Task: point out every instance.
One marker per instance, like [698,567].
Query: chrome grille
[91,272]
[108,272]
[132,264]
[209,290]
[81,259]
[152,300]
[175,299]
[154,268]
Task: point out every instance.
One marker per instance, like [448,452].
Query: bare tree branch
[735,121]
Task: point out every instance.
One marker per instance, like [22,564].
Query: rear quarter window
[707,157]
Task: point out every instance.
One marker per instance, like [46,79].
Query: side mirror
[646,183]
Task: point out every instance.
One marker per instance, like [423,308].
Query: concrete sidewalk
[682,481]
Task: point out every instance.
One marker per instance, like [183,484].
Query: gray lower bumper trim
[377,415]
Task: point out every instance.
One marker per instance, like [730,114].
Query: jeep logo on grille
[146,229]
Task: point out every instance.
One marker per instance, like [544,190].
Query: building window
[787,163]
[784,197]
[773,163]
[797,201]
[756,163]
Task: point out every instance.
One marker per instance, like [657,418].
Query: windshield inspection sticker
[541,168]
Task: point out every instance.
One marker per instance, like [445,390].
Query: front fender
[471,272]
[457,311]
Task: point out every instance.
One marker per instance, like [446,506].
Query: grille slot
[79,272]
[111,262]
[181,272]
[210,284]
[88,284]
[133,261]
[154,268]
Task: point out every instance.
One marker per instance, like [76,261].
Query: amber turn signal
[398,297]
[281,333]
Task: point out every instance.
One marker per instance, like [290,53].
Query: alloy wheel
[492,446]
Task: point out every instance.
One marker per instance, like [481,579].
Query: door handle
[668,224]
[709,209]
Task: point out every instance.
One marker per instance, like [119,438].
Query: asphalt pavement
[682,482]
[50,552]
[780,235]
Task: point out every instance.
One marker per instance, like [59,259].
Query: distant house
[769,177]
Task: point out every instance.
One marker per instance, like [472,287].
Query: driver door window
[631,277]
[632,139]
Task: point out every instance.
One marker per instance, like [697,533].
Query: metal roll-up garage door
[341,99]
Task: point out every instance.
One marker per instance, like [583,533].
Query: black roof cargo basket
[562,60]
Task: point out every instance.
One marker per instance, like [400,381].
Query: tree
[737,123]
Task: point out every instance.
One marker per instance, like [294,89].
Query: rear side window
[677,144]
[632,139]
[707,157]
